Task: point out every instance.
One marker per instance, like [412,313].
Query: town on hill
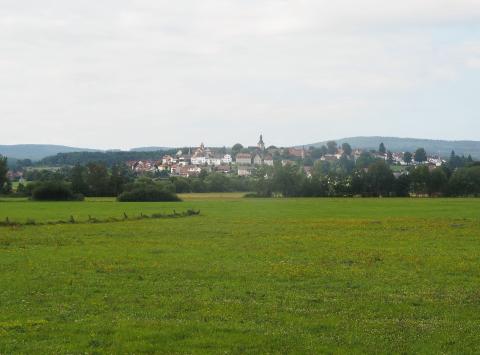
[243,161]
[330,169]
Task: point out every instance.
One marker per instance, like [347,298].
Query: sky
[119,74]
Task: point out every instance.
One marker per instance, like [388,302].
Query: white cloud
[217,66]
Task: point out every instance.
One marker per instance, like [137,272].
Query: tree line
[344,178]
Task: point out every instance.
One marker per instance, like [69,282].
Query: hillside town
[243,161]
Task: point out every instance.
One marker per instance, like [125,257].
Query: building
[227,159]
[297,152]
[223,169]
[168,160]
[261,144]
[243,159]
[244,171]
[268,160]
[257,159]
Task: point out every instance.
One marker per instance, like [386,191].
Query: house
[329,157]
[257,159]
[198,160]
[243,159]
[244,171]
[168,160]
[215,161]
[223,169]
[297,152]
[268,160]
[186,171]
[227,159]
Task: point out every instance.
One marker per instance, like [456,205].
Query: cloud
[227,68]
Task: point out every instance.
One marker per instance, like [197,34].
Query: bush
[55,191]
[147,193]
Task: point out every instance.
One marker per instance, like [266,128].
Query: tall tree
[379,179]
[420,155]
[3,173]
[98,180]
[347,149]
[407,157]
[237,148]
[382,149]
[118,178]
[332,147]
[78,178]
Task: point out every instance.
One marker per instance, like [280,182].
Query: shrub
[54,191]
[147,193]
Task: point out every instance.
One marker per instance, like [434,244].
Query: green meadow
[303,276]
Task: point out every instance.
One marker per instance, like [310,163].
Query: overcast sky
[120,74]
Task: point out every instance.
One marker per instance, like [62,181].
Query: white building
[227,159]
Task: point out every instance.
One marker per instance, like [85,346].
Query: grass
[247,275]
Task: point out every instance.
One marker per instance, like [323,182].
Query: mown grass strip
[92,220]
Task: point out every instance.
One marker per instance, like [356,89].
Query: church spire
[261,144]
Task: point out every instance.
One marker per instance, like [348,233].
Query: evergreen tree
[382,149]
[420,155]
[407,157]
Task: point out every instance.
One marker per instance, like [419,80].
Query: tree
[118,178]
[390,157]
[437,182]
[78,178]
[317,153]
[3,172]
[98,180]
[379,179]
[382,149]
[237,148]
[465,182]
[347,149]
[407,157]
[455,161]
[332,147]
[364,160]
[287,180]
[420,155]
[401,186]
[420,177]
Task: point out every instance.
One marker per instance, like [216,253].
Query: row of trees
[378,180]
[96,179]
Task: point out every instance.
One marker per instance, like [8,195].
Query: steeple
[260,144]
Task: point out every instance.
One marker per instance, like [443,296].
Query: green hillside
[37,151]
[441,147]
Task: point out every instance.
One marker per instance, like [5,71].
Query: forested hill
[37,151]
[394,144]
[109,158]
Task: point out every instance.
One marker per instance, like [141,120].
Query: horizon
[245,145]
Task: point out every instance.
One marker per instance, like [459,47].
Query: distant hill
[37,151]
[150,149]
[441,147]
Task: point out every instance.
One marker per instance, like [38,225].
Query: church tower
[260,144]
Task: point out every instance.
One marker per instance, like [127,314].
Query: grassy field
[246,276]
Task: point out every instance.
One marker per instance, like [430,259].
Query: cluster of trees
[5,184]
[109,158]
[99,180]
[340,179]
[148,190]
